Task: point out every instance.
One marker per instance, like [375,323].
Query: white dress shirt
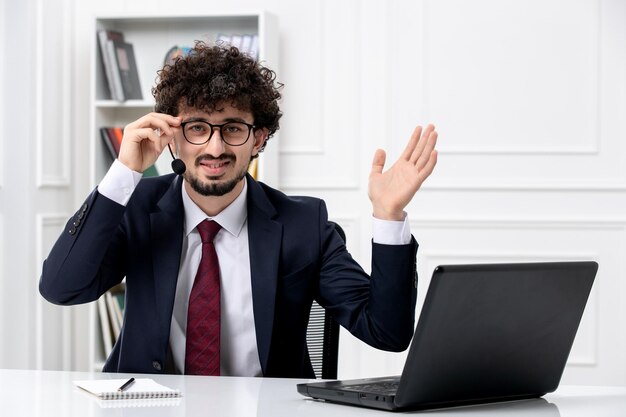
[238,354]
[238,349]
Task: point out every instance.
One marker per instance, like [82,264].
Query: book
[105,327]
[117,91]
[116,322]
[222,39]
[127,70]
[254,48]
[236,40]
[142,388]
[116,134]
[105,39]
[118,293]
[111,143]
[247,44]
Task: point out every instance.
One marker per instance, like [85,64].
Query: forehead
[220,112]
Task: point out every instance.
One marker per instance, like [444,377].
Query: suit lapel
[264,238]
[166,225]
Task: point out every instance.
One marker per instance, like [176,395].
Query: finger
[379,162]
[419,148]
[168,118]
[161,121]
[165,140]
[413,141]
[428,149]
[150,138]
[165,124]
[428,168]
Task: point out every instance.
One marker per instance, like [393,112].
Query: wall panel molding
[457,240]
[315,110]
[506,123]
[326,159]
[3,40]
[53,324]
[580,20]
[54,26]
[310,184]
[615,223]
[3,290]
[499,184]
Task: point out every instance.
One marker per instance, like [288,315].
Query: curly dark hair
[209,76]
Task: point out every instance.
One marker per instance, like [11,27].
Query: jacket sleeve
[378,309]
[88,258]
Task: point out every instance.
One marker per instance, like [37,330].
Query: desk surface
[52,394]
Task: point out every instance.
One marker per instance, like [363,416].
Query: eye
[233,128]
[196,128]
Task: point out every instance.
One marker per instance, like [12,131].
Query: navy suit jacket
[295,256]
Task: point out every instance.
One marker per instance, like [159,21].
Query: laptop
[486,333]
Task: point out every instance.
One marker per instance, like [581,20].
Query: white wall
[529,98]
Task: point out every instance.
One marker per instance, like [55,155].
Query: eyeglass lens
[233,133]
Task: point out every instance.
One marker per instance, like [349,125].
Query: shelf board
[124,104]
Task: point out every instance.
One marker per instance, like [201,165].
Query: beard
[218,188]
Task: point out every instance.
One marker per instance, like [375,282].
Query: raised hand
[392,190]
[145,138]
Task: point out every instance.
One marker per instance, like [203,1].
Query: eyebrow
[226,120]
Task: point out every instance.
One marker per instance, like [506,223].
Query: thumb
[379,161]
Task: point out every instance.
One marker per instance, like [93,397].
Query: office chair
[322,337]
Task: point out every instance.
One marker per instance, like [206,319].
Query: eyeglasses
[198,132]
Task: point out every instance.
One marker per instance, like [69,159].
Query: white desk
[52,394]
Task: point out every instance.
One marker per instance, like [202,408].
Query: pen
[126,385]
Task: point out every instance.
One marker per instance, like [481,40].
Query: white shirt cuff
[119,183]
[390,232]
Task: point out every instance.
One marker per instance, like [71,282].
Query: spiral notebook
[142,388]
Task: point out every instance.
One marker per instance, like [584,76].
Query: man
[271,254]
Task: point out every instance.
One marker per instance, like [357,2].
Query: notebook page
[106,389]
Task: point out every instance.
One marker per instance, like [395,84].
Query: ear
[260,136]
[172,142]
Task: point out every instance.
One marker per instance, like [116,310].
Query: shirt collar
[231,218]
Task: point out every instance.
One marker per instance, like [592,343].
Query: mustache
[221,158]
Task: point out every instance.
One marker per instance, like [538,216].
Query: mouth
[214,167]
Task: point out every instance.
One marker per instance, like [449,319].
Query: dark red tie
[202,355]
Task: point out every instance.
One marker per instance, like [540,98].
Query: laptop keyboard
[382,387]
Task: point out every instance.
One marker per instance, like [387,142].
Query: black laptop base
[339,392]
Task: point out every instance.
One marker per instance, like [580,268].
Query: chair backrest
[322,337]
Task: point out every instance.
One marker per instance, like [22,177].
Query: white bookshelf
[152,36]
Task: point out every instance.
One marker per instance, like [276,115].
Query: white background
[529,98]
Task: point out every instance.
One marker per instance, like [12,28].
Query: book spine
[104,134]
[128,71]
[107,343]
[115,136]
[115,324]
[106,60]
[117,89]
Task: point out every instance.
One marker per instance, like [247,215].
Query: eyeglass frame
[213,126]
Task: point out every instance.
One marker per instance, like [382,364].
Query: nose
[215,145]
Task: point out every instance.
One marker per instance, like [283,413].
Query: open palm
[392,190]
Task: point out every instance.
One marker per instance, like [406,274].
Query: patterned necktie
[202,356]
